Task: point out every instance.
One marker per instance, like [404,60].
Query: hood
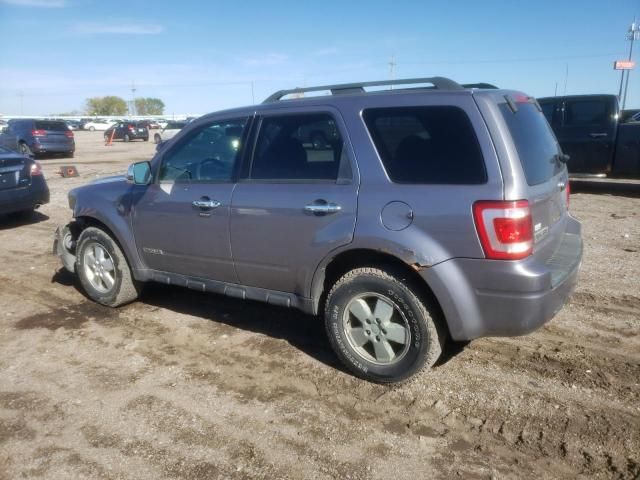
[112,178]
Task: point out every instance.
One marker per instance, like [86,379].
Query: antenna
[392,65]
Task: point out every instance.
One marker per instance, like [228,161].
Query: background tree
[149,106]
[108,105]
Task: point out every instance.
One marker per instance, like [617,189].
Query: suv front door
[181,220]
[295,202]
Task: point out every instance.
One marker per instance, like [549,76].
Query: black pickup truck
[590,132]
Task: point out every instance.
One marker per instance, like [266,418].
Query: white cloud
[265,60]
[96,28]
[36,3]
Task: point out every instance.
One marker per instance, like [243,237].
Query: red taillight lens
[505,229]
[568,188]
[131,128]
[35,169]
[68,134]
[39,133]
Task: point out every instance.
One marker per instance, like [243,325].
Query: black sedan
[22,184]
[127,131]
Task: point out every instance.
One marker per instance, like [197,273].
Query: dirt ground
[183,385]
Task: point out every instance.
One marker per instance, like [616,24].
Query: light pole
[632,35]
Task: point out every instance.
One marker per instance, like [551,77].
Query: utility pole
[632,35]
[392,65]
[132,110]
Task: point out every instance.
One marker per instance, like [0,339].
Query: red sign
[624,65]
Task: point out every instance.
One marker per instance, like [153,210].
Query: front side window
[423,145]
[297,147]
[209,154]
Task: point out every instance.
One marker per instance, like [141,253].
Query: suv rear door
[544,178]
[52,132]
[296,201]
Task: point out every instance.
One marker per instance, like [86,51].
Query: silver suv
[424,213]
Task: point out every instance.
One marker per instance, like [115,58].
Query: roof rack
[441,83]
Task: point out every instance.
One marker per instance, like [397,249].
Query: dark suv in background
[127,131]
[38,137]
[423,213]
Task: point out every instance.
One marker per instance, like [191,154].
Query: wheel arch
[82,222]
[327,274]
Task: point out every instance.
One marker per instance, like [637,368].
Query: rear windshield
[426,145]
[535,142]
[52,126]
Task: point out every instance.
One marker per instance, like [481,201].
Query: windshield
[535,142]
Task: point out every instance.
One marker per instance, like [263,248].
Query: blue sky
[202,56]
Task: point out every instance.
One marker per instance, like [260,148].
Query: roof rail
[441,83]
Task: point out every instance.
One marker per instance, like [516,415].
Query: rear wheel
[92,129]
[103,269]
[126,137]
[157,139]
[380,328]
[24,149]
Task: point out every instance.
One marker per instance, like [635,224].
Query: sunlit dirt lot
[183,385]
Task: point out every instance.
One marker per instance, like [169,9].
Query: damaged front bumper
[64,246]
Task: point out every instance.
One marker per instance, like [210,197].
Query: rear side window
[423,145]
[578,113]
[298,147]
[535,142]
[51,126]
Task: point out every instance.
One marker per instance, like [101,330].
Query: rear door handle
[322,207]
[206,203]
[597,135]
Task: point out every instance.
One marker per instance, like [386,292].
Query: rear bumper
[27,198]
[53,147]
[506,298]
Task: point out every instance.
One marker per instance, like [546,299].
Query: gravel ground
[183,385]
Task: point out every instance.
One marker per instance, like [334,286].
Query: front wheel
[157,139]
[380,328]
[103,269]
[92,129]
[126,137]
[24,149]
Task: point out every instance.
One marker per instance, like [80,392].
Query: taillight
[568,190]
[505,228]
[35,169]
[68,134]
[131,128]
[39,133]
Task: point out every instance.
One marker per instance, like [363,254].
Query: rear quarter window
[534,140]
[426,145]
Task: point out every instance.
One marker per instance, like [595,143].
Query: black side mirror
[139,173]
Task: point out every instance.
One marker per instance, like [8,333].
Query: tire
[126,137]
[382,347]
[146,139]
[24,149]
[157,139]
[106,138]
[70,155]
[92,129]
[116,285]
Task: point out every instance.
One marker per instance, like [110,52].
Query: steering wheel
[217,166]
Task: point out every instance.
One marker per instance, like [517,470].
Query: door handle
[322,207]
[597,135]
[205,203]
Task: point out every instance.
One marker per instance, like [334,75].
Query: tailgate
[544,171]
